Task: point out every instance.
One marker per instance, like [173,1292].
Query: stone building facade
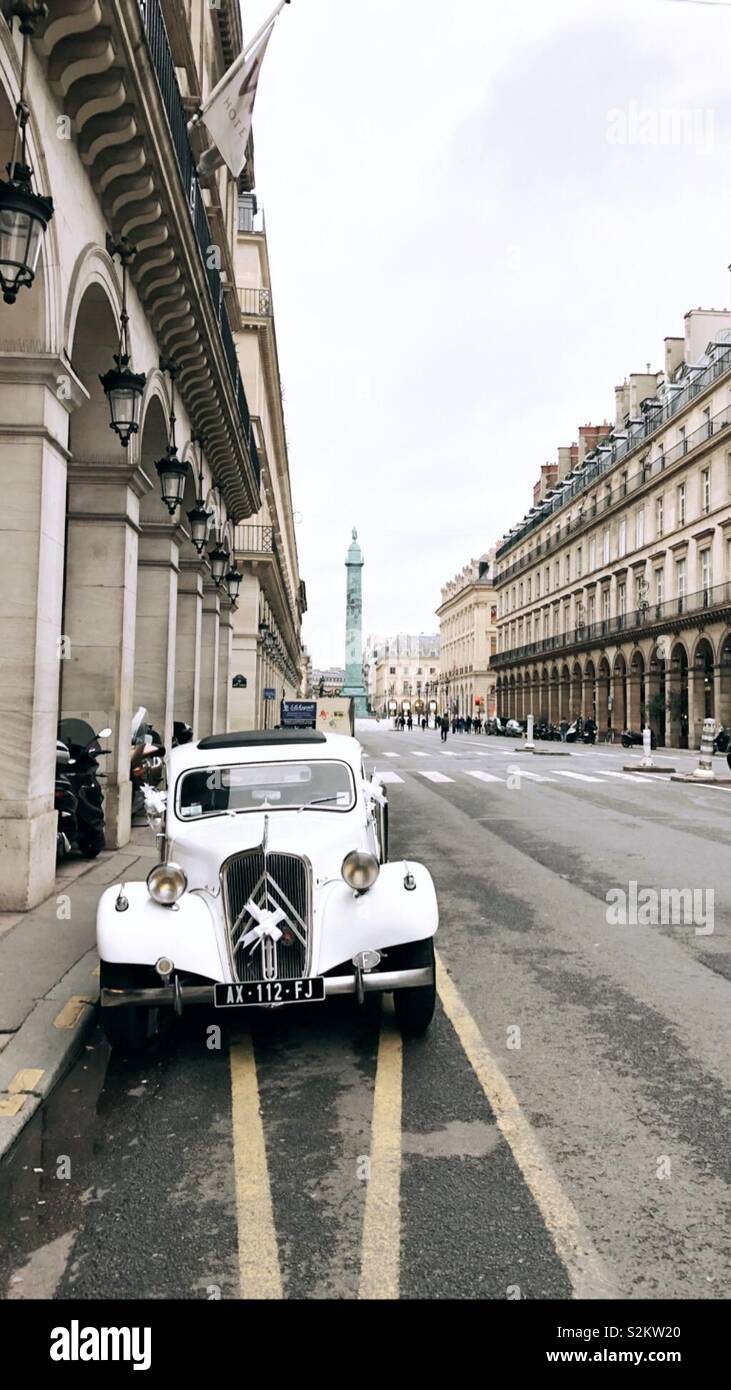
[615,592]
[106,603]
[468,638]
[406,674]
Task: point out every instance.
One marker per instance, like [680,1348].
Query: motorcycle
[146,760]
[631,739]
[513,729]
[182,733]
[722,741]
[78,796]
[574,733]
[495,725]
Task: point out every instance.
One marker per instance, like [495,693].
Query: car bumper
[158,996]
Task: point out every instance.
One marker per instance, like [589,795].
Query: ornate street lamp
[219,561]
[200,517]
[24,215]
[122,387]
[171,472]
[232,581]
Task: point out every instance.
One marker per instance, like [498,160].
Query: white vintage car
[272,889]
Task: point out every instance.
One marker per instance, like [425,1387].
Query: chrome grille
[269,881]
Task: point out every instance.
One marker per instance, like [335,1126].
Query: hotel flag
[228,110]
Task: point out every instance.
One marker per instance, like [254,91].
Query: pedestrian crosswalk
[510,776]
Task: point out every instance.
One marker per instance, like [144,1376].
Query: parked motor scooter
[182,733]
[632,739]
[146,760]
[82,824]
[722,740]
[65,803]
[513,729]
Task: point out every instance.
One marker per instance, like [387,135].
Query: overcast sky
[481,217]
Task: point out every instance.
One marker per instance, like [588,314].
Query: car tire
[129,1028]
[414,1007]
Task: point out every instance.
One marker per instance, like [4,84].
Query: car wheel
[128,1028]
[414,1007]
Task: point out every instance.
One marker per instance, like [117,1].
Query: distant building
[329,682]
[406,674]
[468,628]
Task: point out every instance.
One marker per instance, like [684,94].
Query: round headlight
[360,870]
[166,883]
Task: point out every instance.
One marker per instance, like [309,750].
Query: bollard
[646,749]
[529,733]
[704,771]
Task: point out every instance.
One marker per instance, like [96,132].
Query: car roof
[250,747]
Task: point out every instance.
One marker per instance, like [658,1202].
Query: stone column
[188,642]
[209,659]
[244,646]
[156,627]
[634,699]
[353,685]
[97,681]
[37,393]
[225,632]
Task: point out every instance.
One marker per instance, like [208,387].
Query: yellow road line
[381,1251]
[25,1080]
[574,1247]
[259,1271]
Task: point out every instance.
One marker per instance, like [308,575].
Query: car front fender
[389,914]
[145,931]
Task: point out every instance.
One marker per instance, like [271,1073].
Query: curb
[637,767]
[713,781]
[45,1046]
[544,752]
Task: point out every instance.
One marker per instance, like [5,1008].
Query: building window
[520,595]
[555,620]
[658,516]
[578,562]
[392,670]
[621,599]
[680,583]
[567,569]
[547,577]
[592,554]
[605,604]
[538,584]
[704,570]
[661,455]
[682,440]
[528,583]
[605,546]
[591,609]
[622,536]
[681,505]
[659,586]
[556,575]
[706,491]
[640,528]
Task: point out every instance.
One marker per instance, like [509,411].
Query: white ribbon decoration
[266,925]
[374,791]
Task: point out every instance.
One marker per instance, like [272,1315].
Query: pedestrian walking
[409,722]
[468,724]
[563,729]
[444,727]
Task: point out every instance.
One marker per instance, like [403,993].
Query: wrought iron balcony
[255,302]
[254,540]
[673,614]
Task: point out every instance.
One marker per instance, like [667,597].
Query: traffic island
[656,767]
[545,752]
[712,781]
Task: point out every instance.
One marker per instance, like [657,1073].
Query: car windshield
[215,791]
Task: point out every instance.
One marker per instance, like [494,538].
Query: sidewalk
[49,979]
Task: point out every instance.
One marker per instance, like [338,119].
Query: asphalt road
[562,1130]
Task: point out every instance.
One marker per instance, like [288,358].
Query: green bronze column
[353,627]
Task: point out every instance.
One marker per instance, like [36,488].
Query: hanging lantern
[122,387]
[172,474]
[24,215]
[199,517]
[219,561]
[233,583]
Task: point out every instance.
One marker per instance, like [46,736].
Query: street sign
[239,682]
[270,693]
[299,713]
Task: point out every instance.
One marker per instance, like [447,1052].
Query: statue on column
[353,685]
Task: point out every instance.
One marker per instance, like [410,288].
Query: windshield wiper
[318,801]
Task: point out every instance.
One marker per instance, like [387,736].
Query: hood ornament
[265,836]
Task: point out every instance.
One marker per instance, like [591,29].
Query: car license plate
[269,992]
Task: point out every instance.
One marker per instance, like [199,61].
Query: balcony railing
[164,67]
[652,615]
[253,539]
[628,443]
[255,302]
